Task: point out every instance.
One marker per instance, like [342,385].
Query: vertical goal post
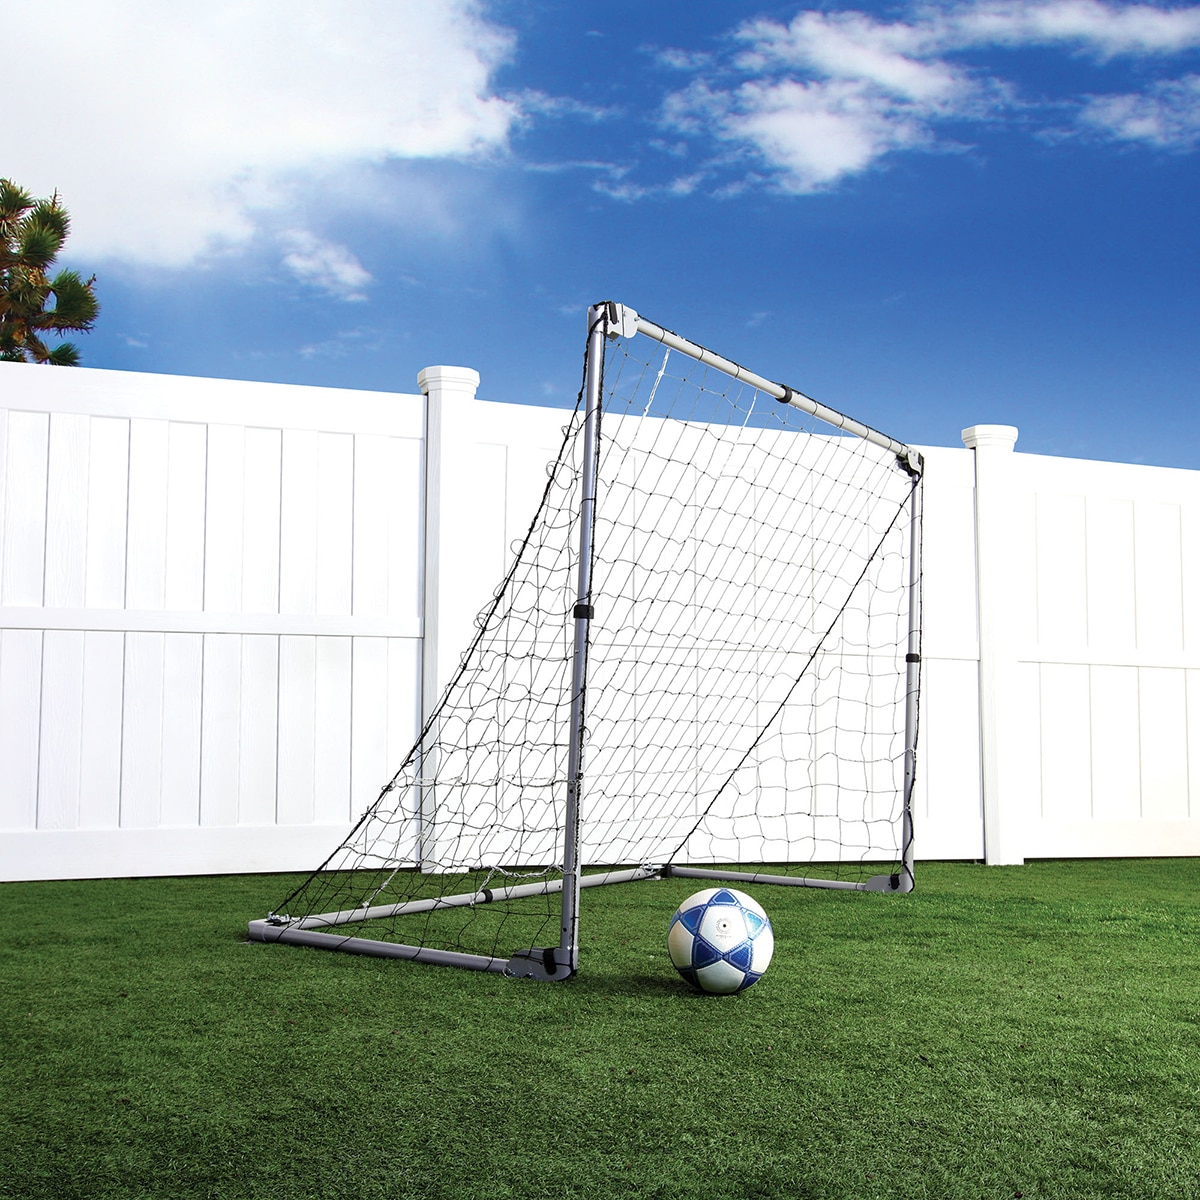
[704,661]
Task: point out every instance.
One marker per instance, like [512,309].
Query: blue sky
[928,215]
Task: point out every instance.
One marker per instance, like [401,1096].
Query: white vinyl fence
[224,607]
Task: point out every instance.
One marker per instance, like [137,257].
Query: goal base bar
[541,964]
[877,883]
[548,963]
[264,931]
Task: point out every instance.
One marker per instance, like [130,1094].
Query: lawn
[1002,1032]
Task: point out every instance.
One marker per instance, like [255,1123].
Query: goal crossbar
[625,318]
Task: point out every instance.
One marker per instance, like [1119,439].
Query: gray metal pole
[569,941]
[912,684]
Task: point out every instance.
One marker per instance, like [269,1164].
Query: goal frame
[609,319]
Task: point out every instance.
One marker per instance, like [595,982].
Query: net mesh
[745,687]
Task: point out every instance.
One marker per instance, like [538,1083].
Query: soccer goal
[704,661]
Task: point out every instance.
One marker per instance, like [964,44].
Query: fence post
[1003,813]
[438,384]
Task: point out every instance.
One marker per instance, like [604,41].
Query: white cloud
[324,265]
[832,94]
[1167,116]
[345,342]
[175,129]
[816,133]
[682,60]
[853,46]
[1105,29]
[535,103]
[829,94]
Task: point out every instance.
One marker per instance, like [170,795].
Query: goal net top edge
[623,321]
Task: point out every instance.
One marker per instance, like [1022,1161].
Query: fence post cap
[1003,437]
[463,380]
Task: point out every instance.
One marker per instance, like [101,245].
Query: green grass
[1001,1032]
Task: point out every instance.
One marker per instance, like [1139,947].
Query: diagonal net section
[747,662]
[745,674]
[476,808]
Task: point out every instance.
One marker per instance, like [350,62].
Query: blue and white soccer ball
[720,940]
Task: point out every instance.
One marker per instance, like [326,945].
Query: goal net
[703,660]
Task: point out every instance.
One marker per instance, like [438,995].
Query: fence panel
[1109,644]
[224,605]
[199,586]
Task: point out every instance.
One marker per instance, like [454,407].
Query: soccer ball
[720,940]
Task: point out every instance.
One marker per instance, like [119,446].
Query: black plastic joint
[583,610]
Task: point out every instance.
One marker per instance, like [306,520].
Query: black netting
[746,679]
